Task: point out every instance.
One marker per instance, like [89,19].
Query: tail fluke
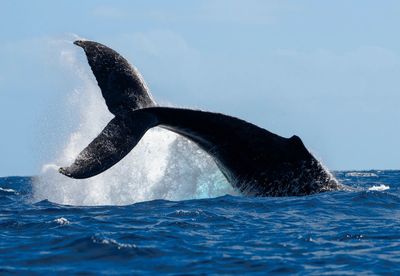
[121,84]
[124,90]
[116,140]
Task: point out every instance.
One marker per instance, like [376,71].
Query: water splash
[381,187]
[162,166]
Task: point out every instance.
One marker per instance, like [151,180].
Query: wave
[381,187]
[361,174]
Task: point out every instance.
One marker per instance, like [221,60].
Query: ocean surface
[166,208]
[344,232]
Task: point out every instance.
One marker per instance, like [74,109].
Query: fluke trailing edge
[254,160]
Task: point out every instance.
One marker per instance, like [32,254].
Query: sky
[328,71]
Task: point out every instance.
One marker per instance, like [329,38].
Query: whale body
[254,160]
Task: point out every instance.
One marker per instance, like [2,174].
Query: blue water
[336,232]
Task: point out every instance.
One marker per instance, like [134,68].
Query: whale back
[121,84]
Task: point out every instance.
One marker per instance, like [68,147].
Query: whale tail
[123,90]
[122,86]
[245,153]
[116,140]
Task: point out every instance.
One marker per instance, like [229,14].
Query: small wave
[11,191]
[362,174]
[381,187]
[187,213]
[61,221]
[348,236]
[113,242]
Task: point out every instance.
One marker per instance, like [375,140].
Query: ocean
[166,208]
[342,232]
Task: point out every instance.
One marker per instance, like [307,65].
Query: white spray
[162,166]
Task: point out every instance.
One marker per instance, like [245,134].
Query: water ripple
[344,232]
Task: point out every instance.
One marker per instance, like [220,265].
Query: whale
[255,161]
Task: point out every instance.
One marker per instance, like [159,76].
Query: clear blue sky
[328,71]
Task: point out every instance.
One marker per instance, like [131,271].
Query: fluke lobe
[254,160]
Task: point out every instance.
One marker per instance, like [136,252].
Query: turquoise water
[337,232]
